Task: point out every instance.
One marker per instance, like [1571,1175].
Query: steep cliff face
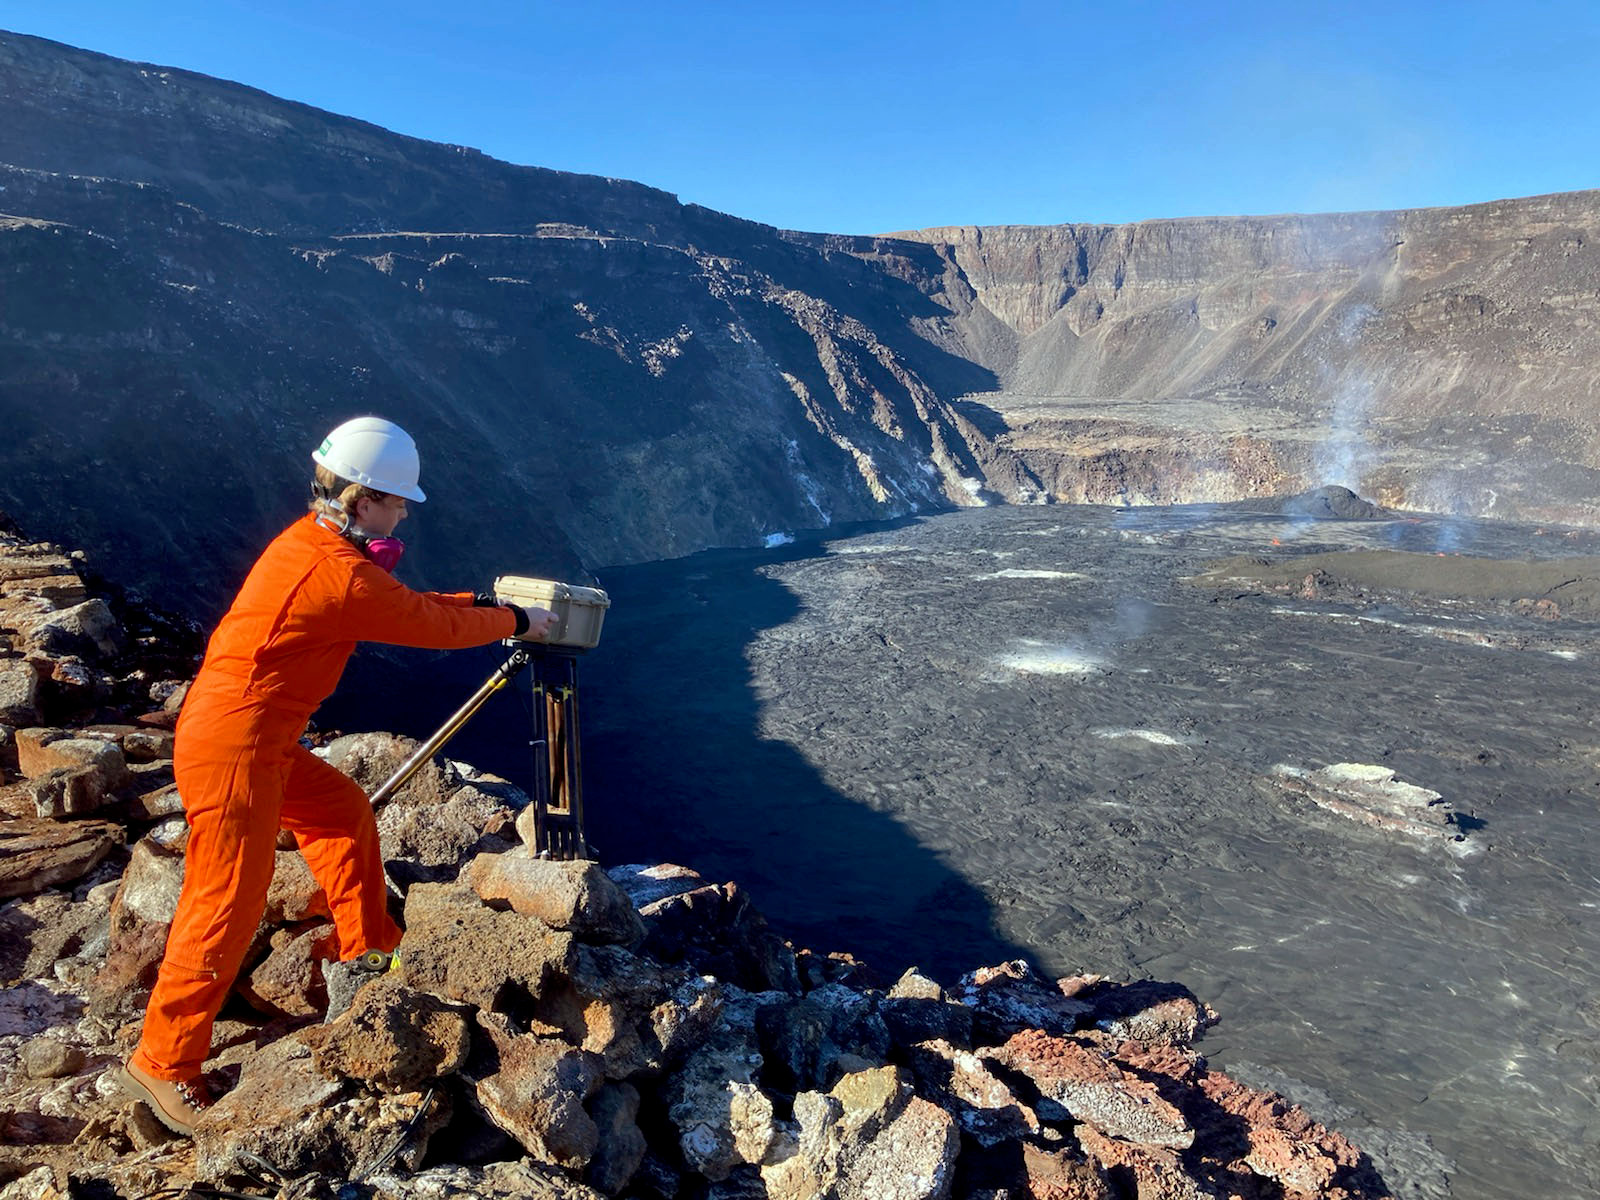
[197,279]
[200,279]
[1438,358]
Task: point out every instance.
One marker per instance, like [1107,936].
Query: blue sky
[870,117]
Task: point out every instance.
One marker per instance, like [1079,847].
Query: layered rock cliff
[1441,359]
[200,279]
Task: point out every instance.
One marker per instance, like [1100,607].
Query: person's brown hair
[326,486]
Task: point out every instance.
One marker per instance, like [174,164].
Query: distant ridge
[202,278]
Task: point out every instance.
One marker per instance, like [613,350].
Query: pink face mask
[385,551]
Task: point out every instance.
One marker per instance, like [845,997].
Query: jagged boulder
[393,1037]
[869,1138]
[457,947]
[723,1118]
[277,1110]
[987,1108]
[148,745]
[161,801]
[1145,1010]
[370,758]
[432,842]
[294,894]
[38,1184]
[536,1093]
[87,627]
[430,828]
[830,1032]
[67,792]
[1244,1131]
[647,883]
[575,896]
[19,693]
[1061,1174]
[1151,1172]
[1080,1082]
[717,931]
[36,854]
[54,934]
[604,1005]
[141,915]
[683,1021]
[621,1146]
[289,981]
[916,1010]
[49,1058]
[285,1111]
[69,776]
[1012,997]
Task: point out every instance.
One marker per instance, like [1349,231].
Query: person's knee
[320,798]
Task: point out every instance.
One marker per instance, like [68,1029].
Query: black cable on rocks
[272,1177]
[399,1141]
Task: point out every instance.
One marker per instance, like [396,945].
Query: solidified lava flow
[1352,806]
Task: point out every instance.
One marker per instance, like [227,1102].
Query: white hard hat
[374,453]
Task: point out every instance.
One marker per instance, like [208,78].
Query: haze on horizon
[866,118]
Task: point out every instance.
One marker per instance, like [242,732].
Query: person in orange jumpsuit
[319,588]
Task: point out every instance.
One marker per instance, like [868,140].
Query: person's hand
[541,624]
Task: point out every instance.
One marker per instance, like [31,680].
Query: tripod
[557,767]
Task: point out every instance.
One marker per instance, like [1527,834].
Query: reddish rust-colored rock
[294,895]
[1081,1081]
[1062,1175]
[537,1093]
[1286,1145]
[456,947]
[1155,1173]
[1242,1132]
[964,1085]
[31,747]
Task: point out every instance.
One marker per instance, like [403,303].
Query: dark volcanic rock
[716,930]
[1331,502]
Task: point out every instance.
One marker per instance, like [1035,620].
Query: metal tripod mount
[557,767]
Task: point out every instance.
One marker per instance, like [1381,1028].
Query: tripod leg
[503,674]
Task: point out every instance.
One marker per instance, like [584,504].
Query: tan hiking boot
[177,1105]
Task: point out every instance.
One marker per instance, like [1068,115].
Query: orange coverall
[242,773]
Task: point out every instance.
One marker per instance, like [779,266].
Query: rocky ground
[556,1029]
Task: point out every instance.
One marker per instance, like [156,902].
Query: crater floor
[1070,733]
